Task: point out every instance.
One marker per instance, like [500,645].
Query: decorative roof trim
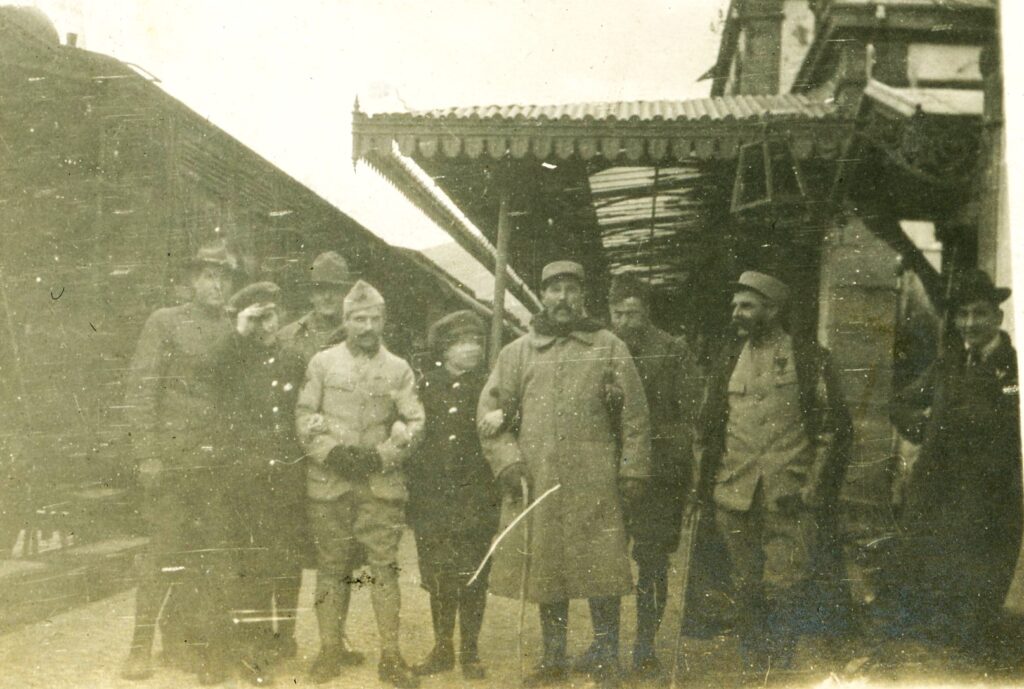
[650,131]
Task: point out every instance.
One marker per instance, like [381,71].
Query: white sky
[282,76]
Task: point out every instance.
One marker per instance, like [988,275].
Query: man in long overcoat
[673,386]
[582,425]
[171,408]
[962,519]
[773,442]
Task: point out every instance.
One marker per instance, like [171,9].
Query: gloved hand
[511,480]
[632,489]
[353,463]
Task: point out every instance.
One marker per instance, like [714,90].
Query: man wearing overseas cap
[171,408]
[358,418]
[259,382]
[773,441]
[582,425]
[962,518]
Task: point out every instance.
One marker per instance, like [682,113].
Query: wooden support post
[500,275]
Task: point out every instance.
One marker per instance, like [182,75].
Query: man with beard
[962,520]
[329,281]
[672,383]
[172,411]
[359,418]
[583,426]
[773,441]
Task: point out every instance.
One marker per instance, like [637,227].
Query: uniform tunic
[672,386]
[308,335]
[453,501]
[354,400]
[566,437]
[962,521]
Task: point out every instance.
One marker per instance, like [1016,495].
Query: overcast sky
[282,75]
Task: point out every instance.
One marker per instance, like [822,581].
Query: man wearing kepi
[673,386]
[773,442]
[358,417]
[582,425]
[963,517]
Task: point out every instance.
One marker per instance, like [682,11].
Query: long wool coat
[568,434]
[963,516]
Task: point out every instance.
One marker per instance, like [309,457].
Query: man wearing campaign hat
[962,516]
[773,440]
[329,281]
[358,417]
[171,408]
[582,425]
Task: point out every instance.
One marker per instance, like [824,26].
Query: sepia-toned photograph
[604,344]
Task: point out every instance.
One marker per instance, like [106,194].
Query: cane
[690,534]
[524,487]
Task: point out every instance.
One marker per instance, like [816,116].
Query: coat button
[456,385]
[452,438]
[273,383]
[453,410]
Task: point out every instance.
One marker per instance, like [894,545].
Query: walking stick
[525,488]
[690,534]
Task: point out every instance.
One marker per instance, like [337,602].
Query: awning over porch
[621,187]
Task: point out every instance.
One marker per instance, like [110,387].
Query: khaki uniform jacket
[355,400]
[566,436]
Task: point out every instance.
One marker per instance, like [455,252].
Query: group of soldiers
[265,449]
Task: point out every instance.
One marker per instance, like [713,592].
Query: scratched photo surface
[494,344]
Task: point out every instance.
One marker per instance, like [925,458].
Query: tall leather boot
[554,629]
[443,608]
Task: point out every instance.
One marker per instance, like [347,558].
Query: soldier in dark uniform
[172,410]
[962,521]
[260,382]
[672,383]
[453,502]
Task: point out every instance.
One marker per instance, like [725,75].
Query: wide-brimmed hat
[330,268]
[976,285]
[767,286]
[215,254]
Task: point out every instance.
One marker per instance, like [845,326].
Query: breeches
[355,519]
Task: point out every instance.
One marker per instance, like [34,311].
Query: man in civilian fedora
[962,521]
[172,411]
[358,418]
[583,426]
[773,440]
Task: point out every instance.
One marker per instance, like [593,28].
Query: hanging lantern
[767,178]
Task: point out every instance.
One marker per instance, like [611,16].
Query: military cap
[256,293]
[363,295]
[561,269]
[763,284]
[626,286]
[330,268]
[450,328]
[976,285]
[215,254]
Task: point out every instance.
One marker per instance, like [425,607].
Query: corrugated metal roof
[742,107]
[930,101]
